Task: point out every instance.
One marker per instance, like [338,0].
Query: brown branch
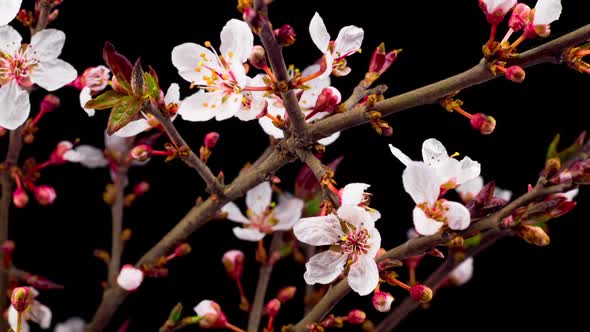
[360,92]
[117,228]
[187,155]
[320,171]
[547,53]
[420,245]
[434,281]
[279,68]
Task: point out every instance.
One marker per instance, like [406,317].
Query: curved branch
[117,227]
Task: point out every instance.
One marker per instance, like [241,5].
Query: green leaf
[473,241]
[124,112]
[313,207]
[105,100]
[176,313]
[153,90]
[552,150]
[137,81]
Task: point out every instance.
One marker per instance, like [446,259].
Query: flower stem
[399,283]
[461,111]
[493,32]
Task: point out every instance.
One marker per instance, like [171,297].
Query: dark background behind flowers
[515,285]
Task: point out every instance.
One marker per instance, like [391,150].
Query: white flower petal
[318,231]
[130,278]
[205,307]
[355,215]
[133,128]
[237,41]
[40,314]
[248,234]
[349,40]
[318,82]
[230,105]
[570,195]
[234,213]
[463,272]
[172,95]
[353,193]
[434,152]
[458,171]
[87,155]
[86,96]
[13,320]
[547,11]
[425,225]
[504,194]
[402,157]
[198,106]
[14,106]
[330,139]
[186,58]
[503,5]
[468,170]
[53,74]
[458,217]
[319,33]
[270,129]
[10,39]
[258,198]
[287,212]
[46,45]
[117,143]
[363,276]
[374,242]
[324,267]
[422,183]
[472,187]
[74,324]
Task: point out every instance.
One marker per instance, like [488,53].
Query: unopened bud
[211,314]
[382,301]
[421,293]
[272,307]
[141,188]
[533,234]
[285,35]
[515,74]
[20,198]
[21,298]
[141,152]
[287,293]
[211,140]
[233,261]
[182,249]
[519,17]
[57,156]
[543,30]
[45,195]
[381,61]
[253,18]
[484,123]
[258,57]
[130,277]
[356,317]
[49,103]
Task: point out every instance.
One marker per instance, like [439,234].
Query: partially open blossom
[285,35]
[211,139]
[382,301]
[348,42]
[327,101]
[356,317]
[515,74]
[287,293]
[141,152]
[462,273]
[545,13]
[21,298]
[263,218]
[452,171]
[520,16]
[95,79]
[233,261]
[211,314]
[20,198]
[33,311]
[74,324]
[23,66]
[355,194]
[484,123]
[421,293]
[495,10]
[354,242]
[45,195]
[431,213]
[8,10]
[130,277]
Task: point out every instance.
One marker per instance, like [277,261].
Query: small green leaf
[473,241]
[552,150]
[137,81]
[153,90]
[105,100]
[176,313]
[313,207]
[124,112]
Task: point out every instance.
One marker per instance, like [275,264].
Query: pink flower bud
[130,278]
[285,35]
[141,152]
[484,123]
[287,293]
[515,74]
[356,317]
[49,103]
[57,156]
[95,78]
[182,249]
[272,307]
[327,101]
[45,195]
[253,18]
[141,188]
[211,140]
[381,61]
[421,293]
[382,301]
[258,57]
[520,16]
[212,316]
[495,15]
[233,261]
[21,298]
[20,198]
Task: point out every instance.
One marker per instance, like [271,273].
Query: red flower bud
[45,195]
[258,57]
[287,293]
[285,35]
[57,156]
[421,293]
[49,103]
[382,301]
[381,61]
[212,316]
[233,261]
[272,307]
[21,298]
[141,188]
[515,74]
[484,123]
[356,317]
[20,197]
[327,101]
[211,140]
[519,17]
[182,249]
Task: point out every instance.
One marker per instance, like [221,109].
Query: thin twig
[360,92]
[320,171]
[117,216]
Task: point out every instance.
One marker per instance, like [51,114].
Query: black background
[514,286]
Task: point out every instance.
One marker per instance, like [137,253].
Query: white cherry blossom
[263,218]
[8,10]
[471,188]
[354,242]
[74,324]
[547,11]
[355,194]
[462,273]
[24,65]
[130,277]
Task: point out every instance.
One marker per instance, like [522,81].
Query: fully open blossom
[355,194]
[263,218]
[220,77]
[8,10]
[435,155]
[431,213]
[471,188]
[74,324]
[37,312]
[130,278]
[307,101]
[354,242]
[462,273]
[21,66]
[348,42]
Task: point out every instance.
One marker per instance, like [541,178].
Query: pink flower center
[221,78]
[437,211]
[17,66]
[264,222]
[356,243]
